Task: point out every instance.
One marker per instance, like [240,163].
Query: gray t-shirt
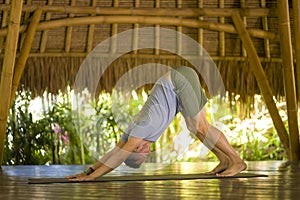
[184,94]
[156,115]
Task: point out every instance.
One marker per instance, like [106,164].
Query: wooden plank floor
[283,182]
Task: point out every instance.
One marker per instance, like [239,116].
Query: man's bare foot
[223,165]
[233,169]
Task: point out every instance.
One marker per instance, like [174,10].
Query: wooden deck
[283,182]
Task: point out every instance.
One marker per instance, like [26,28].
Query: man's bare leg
[235,163]
[224,161]
[230,162]
[223,164]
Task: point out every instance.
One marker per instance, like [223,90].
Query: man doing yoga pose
[179,90]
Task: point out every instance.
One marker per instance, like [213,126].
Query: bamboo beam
[289,77]
[193,23]
[187,12]
[262,80]
[296,11]
[8,68]
[24,52]
[141,55]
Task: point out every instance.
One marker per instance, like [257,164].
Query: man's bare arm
[100,162]
[114,160]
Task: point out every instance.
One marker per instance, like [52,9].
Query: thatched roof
[61,43]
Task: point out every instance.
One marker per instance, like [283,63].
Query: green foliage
[50,139]
[69,129]
[253,134]
[27,142]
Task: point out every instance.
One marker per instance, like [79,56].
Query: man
[177,91]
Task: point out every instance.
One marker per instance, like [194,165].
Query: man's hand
[144,147]
[83,178]
[75,176]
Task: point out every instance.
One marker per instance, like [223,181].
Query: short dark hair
[135,160]
[132,163]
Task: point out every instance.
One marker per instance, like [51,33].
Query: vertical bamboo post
[200,30]
[296,11]
[114,31]
[222,33]
[135,32]
[3,24]
[69,31]
[261,80]
[8,68]
[157,33]
[266,28]
[243,5]
[24,52]
[45,32]
[25,21]
[179,29]
[91,30]
[289,77]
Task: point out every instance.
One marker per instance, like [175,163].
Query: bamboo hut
[255,45]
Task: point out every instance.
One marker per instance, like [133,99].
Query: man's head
[139,155]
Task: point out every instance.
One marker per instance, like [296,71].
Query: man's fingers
[74,176]
[81,179]
[144,147]
[69,177]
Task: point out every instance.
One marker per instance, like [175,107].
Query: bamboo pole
[243,5]
[262,81]
[45,32]
[91,31]
[188,12]
[8,68]
[135,31]
[222,33]
[69,31]
[114,30]
[142,55]
[3,24]
[289,77]
[179,29]
[25,21]
[24,52]
[243,106]
[296,11]
[266,28]
[157,32]
[200,30]
[193,23]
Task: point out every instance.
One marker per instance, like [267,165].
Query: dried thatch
[57,53]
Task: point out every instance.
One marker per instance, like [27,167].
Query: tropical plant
[77,129]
